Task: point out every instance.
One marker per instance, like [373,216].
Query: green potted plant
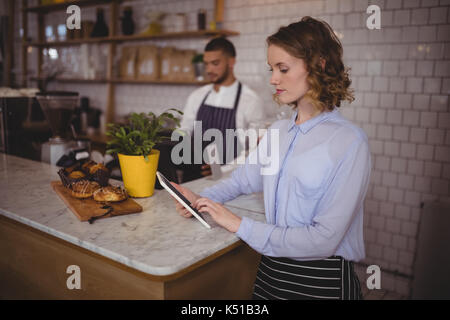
[133,142]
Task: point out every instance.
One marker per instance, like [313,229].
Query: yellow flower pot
[138,175]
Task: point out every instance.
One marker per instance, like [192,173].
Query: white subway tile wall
[401,77]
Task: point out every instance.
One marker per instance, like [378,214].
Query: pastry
[84,189]
[87,165]
[75,167]
[99,166]
[67,178]
[110,194]
[77,174]
[99,173]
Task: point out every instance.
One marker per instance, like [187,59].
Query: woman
[314,202]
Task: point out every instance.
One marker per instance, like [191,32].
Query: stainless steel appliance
[58,107]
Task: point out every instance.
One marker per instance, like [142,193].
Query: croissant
[110,194]
[84,189]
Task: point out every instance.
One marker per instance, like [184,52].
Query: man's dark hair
[222,44]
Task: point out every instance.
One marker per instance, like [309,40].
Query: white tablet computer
[180,198]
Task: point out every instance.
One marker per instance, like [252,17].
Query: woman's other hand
[219,213]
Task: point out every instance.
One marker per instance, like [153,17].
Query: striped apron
[284,278]
[213,118]
[220,118]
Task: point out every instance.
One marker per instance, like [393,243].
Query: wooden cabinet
[33,265]
[112,40]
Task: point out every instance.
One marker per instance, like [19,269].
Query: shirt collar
[226,89]
[311,123]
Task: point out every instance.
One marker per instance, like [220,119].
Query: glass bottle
[100,28]
[127,21]
[201,19]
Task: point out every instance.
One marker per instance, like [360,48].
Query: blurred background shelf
[170,82]
[70,80]
[170,35]
[111,41]
[122,81]
[63,5]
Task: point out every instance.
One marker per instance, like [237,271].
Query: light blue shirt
[314,201]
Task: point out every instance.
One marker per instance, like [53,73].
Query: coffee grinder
[58,107]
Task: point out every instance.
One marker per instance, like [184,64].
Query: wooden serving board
[84,209]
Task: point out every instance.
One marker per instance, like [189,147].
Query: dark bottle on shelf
[127,21]
[201,19]
[100,28]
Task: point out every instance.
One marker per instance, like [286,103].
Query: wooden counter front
[33,265]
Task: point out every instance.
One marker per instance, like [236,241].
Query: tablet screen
[166,183]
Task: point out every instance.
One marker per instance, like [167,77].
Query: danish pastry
[110,194]
[99,173]
[76,175]
[72,168]
[84,189]
[99,166]
[67,178]
[87,165]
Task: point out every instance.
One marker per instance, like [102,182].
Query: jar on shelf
[180,22]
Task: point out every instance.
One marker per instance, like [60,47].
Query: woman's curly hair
[313,41]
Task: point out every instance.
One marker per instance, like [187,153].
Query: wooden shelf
[63,5]
[172,82]
[68,43]
[111,42]
[177,35]
[170,35]
[124,81]
[71,80]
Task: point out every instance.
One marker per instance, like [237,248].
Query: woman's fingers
[207,207]
[186,214]
[188,194]
[177,186]
[205,202]
[219,213]
[182,210]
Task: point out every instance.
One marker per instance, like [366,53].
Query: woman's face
[289,75]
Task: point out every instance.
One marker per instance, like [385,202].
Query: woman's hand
[219,213]
[188,194]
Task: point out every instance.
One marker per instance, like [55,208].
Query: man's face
[218,65]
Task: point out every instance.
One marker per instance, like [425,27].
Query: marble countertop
[156,241]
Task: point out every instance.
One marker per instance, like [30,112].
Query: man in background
[225,103]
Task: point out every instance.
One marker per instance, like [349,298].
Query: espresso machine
[61,149]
